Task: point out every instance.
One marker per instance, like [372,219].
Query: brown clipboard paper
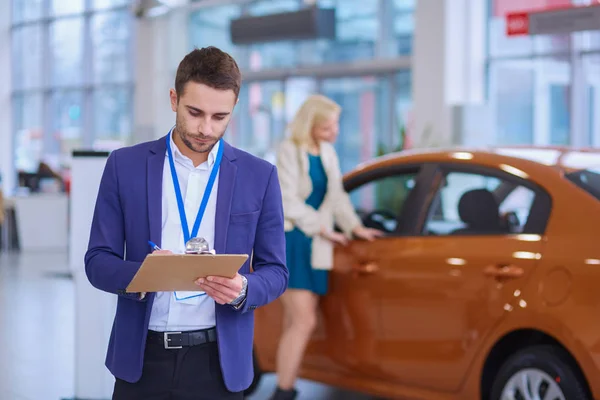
[177,272]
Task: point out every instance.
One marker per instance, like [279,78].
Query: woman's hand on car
[365,233]
[335,237]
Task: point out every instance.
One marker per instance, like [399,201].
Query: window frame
[406,216]
[539,214]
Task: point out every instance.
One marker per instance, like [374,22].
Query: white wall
[161,44]
[144,58]
[6,134]
[448,67]
[428,71]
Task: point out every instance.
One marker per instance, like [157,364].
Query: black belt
[177,340]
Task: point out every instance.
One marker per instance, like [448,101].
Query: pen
[153,245]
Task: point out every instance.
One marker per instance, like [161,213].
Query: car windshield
[587,179]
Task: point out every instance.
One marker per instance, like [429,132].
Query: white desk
[42,221]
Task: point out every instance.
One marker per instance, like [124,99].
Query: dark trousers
[188,373]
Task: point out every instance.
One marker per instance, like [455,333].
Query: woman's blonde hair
[316,109]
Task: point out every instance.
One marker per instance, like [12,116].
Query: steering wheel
[378,219]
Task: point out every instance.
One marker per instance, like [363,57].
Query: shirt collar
[178,155]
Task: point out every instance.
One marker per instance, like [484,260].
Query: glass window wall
[591,66]
[72,80]
[376,114]
[365,30]
[542,89]
[364,116]
[259,119]
[376,107]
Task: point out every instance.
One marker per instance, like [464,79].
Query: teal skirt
[301,274]
[299,246]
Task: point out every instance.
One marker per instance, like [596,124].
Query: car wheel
[256,380]
[539,372]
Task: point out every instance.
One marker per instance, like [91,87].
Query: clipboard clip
[201,252]
[198,245]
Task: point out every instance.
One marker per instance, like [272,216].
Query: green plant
[382,149]
[391,192]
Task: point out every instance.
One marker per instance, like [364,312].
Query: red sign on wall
[554,20]
[517,24]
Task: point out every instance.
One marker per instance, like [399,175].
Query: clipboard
[177,272]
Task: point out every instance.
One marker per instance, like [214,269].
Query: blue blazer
[249,217]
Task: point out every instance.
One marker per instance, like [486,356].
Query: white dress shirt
[169,313]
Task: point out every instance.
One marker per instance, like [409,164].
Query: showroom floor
[37,333]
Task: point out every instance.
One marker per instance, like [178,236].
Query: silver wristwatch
[242,295]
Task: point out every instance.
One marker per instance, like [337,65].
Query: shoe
[281,394]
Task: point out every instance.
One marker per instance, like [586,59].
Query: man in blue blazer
[188,187]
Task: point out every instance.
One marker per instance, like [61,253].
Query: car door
[351,309]
[439,285]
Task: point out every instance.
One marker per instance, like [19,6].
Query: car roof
[533,159]
[563,157]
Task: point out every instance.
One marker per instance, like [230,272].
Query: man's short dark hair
[211,67]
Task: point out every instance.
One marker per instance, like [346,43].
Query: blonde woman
[313,200]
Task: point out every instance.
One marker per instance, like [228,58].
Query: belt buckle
[167,340]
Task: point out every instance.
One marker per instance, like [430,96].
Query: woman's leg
[300,320]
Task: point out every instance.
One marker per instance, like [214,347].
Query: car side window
[380,201]
[478,204]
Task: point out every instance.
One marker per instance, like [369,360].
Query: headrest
[478,208]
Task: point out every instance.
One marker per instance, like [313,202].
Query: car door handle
[367,268]
[503,271]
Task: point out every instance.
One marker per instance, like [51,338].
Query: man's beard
[186,138]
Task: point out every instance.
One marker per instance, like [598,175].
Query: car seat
[479,210]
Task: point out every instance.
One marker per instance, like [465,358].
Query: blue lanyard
[207,191]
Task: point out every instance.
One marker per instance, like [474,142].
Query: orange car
[486,286]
